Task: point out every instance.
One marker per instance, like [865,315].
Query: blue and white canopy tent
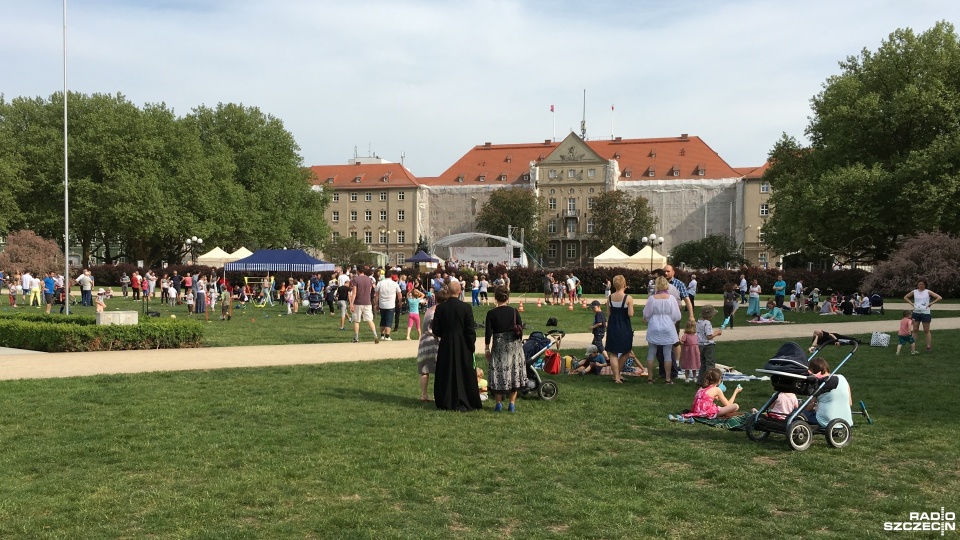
[279,260]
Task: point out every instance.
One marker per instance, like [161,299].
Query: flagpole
[611,121]
[66,177]
[554,115]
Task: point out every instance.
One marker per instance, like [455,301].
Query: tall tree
[619,219]
[11,170]
[517,207]
[347,251]
[884,154]
[26,251]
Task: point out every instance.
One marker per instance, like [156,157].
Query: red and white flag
[551,108]
[611,107]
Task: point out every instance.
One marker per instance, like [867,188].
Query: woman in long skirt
[427,350]
[504,352]
[753,307]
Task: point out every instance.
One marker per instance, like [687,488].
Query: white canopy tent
[612,258]
[216,257]
[241,253]
[647,259]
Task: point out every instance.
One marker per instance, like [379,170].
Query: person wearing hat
[705,336]
[101,305]
[593,362]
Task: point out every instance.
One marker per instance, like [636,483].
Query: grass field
[347,451]
[272,326]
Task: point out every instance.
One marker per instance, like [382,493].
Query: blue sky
[431,79]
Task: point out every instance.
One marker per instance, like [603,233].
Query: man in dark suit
[455,382]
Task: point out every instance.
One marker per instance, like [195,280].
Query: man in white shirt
[26,281]
[798,290]
[743,288]
[388,299]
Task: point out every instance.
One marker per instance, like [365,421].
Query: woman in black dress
[619,330]
[507,371]
[455,381]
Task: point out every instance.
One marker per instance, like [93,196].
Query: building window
[353,234]
[571,251]
[336,197]
[483,178]
[367,237]
[401,215]
[353,197]
[368,196]
[591,173]
[401,259]
[401,237]
[401,195]
[552,173]
[765,187]
[353,215]
[552,226]
[383,237]
[335,235]
[552,250]
[503,178]
[336,216]
[764,209]
[763,257]
[590,203]
[590,226]
[383,195]
[552,203]
[571,173]
[572,226]
[368,215]
[383,215]
[572,204]
[761,236]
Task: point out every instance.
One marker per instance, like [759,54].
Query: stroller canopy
[790,358]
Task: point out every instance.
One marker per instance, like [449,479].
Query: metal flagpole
[611,121]
[554,115]
[66,177]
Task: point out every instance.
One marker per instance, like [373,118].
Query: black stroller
[789,372]
[315,303]
[876,303]
[534,348]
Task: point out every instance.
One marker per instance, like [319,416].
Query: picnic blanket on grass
[733,424]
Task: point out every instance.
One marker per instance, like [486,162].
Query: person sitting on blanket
[773,315]
[704,401]
[822,337]
[593,363]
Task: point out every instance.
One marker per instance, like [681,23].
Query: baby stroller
[788,371]
[876,303]
[315,303]
[534,348]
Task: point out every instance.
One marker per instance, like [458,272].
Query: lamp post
[652,241]
[192,243]
[387,234]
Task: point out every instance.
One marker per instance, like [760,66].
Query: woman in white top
[921,299]
[661,313]
[753,307]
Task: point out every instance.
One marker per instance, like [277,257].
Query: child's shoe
[674,417]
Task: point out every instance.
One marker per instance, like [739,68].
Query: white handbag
[879,339]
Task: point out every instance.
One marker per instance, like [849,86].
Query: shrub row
[82,334]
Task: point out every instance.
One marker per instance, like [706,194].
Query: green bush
[81,334]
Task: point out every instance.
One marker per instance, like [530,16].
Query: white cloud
[433,78]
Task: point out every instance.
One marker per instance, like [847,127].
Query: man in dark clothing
[455,382]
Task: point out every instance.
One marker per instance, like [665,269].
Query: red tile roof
[370,176]
[687,155]
[755,172]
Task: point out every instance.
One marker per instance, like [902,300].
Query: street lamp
[652,241]
[192,243]
[387,234]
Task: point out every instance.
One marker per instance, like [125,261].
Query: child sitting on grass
[706,398]
[593,363]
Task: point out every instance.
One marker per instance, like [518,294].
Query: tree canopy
[713,251]
[620,219]
[27,252]
[515,207]
[143,180]
[884,155]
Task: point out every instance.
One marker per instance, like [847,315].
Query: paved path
[16,364]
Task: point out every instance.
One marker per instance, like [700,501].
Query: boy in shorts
[905,334]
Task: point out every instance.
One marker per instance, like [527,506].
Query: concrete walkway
[17,364]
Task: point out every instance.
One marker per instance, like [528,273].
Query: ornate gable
[572,151]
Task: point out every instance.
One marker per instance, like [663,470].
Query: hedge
[82,334]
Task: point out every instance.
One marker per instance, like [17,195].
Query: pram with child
[789,372]
[314,303]
[535,348]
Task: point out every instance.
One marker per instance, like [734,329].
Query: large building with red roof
[693,192]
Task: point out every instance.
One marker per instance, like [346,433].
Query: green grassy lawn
[347,451]
[272,326]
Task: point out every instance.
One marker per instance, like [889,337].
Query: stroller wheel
[799,435]
[838,433]
[548,390]
[753,433]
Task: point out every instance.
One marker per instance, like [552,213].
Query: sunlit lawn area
[347,451]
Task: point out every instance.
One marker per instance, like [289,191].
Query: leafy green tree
[619,219]
[517,207]
[884,158]
[349,251]
[423,245]
[713,251]
[11,167]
